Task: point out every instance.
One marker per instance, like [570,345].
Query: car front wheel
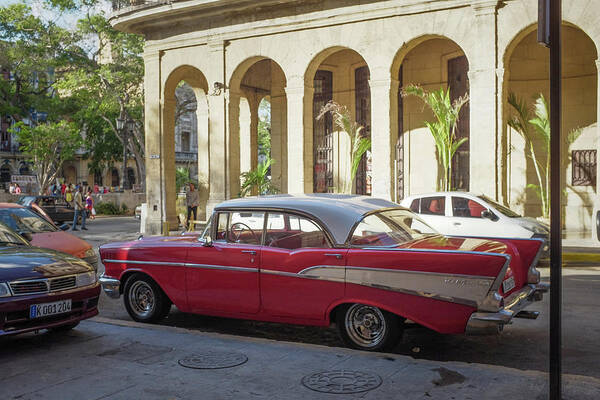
[145,300]
[369,328]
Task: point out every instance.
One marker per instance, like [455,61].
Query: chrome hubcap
[141,298]
[365,325]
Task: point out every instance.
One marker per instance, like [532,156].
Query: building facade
[303,53]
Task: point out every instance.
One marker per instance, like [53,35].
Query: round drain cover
[341,382]
[213,360]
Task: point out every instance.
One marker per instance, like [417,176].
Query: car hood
[61,241]
[439,242]
[533,225]
[24,262]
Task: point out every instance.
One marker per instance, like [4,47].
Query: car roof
[10,205]
[433,194]
[338,212]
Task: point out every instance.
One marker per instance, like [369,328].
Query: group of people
[74,195]
[14,188]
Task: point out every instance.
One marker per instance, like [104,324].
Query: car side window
[287,231]
[245,227]
[433,205]
[466,208]
[222,219]
[414,206]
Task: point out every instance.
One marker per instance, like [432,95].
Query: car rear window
[433,205]
[389,228]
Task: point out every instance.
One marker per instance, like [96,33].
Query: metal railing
[185,156]
[130,5]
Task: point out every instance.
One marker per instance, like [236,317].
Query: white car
[467,214]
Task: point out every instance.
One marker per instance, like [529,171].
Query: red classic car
[362,263]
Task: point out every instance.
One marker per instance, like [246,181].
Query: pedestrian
[79,210]
[89,205]
[63,188]
[11,188]
[68,194]
[96,188]
[191,200]
[17,188]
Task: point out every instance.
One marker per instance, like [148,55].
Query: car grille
[38,286]
[57,284]
[29,287]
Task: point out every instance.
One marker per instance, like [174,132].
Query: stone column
[245,163]
[597,197]
[168,159]
[502,133]
[384,128]
[278,136]
[218,150]
[296,151]
[152,122]
[233,180]
[254,102]
[483,104]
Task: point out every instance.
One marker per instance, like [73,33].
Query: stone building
[302,53]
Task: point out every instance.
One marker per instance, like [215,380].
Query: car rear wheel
[144,299]
[368,328]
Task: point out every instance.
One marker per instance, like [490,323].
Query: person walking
[89,205]
[191,200]
[79,210]
[68,195]
[17,188]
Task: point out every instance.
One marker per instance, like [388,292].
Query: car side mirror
[489,215]
[206,241]
[27,235]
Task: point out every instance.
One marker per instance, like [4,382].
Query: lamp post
[125,127]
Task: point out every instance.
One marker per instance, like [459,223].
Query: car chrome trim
[111,286]
[175,264]
[485,323]
[533,275]
[48,283]
[222,267]
[480,253]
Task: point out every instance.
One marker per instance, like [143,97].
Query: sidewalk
[106,359]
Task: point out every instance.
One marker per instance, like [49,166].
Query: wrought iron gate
[322,137]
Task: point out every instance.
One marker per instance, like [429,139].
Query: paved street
[523,345]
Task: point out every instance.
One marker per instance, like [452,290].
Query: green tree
[443,129]
[358,143]
[258,180]
[536,128]
[48,146]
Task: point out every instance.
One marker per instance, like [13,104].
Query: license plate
[45,309]
[508,284]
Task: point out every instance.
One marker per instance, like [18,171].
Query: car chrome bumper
[111,286]
[490,323]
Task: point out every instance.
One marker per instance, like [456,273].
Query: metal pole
[555,200]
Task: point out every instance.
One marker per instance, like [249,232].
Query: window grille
[583,167]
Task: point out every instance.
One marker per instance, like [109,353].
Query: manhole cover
[213,360]
[341,382]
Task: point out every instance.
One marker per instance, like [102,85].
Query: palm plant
[359,144]
[443,129]
[522,123]
[258,179]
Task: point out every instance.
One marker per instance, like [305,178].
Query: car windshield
[390,228]
[504,210]
[8,237]
[25,221]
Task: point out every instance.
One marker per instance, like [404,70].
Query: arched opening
[5,174]
[526,77]
[131,176]
[340,75]
[185,141]
[258,121]
[24,169]
[114,178]
[430,62]
[98,178]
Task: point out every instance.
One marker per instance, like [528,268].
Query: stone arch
[526,75]
[447,64]
[254,79]
[341,74]
[199,85]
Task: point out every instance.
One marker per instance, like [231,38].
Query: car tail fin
[525,255]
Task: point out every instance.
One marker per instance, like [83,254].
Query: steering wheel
[235,231]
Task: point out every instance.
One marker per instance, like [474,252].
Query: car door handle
[338,256]
[457,223]
[253,252]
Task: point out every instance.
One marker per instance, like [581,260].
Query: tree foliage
[443,129]
[258,180]
[48,146]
